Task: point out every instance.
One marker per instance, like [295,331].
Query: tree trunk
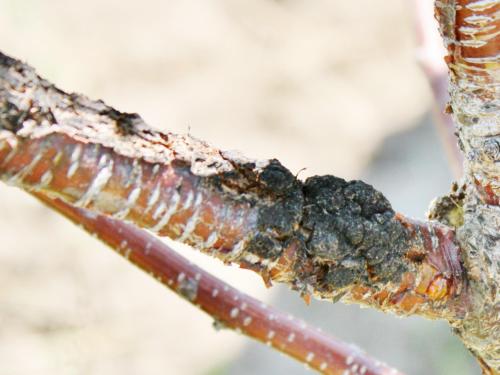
[470,29]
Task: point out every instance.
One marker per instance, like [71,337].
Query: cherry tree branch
[229,307]
[324,237]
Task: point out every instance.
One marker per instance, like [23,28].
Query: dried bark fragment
[449,209]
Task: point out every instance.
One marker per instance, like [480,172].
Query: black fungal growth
[279,220]
[347,230]
[352,232]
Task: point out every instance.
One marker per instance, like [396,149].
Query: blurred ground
[318,85]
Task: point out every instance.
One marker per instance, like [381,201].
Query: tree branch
[324,237]
[229,307]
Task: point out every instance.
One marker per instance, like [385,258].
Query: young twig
[229,307]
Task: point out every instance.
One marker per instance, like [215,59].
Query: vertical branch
[471,33]
[229,307]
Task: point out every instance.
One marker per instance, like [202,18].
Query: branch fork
[324,237]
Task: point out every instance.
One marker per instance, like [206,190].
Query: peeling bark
[471,32]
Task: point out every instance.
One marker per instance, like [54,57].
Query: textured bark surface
[471,31]
[326,237]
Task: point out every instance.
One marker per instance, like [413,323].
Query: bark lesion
[353,233]
[324,236]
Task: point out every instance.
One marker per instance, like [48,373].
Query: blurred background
[331,86]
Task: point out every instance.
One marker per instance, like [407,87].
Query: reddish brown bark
[324,237]
[229,307]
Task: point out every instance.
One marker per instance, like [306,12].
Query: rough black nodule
[353,232]
[346,231]
[278,220]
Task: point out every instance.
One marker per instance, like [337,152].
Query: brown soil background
[317,84]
